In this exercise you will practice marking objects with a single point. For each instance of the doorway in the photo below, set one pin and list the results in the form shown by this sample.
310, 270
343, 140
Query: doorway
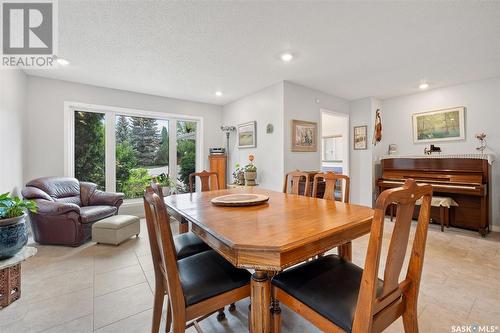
334, 142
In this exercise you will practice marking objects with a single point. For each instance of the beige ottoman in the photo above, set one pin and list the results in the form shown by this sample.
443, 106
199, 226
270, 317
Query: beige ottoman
116, 229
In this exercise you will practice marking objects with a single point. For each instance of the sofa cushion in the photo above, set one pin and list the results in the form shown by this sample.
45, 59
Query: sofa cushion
94, 213
63, 189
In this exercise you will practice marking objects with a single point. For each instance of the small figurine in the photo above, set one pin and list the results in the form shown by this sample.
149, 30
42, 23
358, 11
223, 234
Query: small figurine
432, 149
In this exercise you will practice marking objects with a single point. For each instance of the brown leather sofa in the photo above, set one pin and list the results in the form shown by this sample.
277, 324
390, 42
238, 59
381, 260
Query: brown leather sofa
67, 209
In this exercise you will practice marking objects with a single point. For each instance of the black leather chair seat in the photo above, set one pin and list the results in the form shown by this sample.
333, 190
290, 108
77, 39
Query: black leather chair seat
329, 285
188, 244
94, 213
207, 274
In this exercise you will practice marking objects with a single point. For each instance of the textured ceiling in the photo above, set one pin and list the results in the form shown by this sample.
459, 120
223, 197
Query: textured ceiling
189, 50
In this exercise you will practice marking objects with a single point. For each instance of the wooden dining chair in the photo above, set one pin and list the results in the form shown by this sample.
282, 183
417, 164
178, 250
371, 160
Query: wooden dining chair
292, 182
338, 296
198, 285
331, 180
205, 181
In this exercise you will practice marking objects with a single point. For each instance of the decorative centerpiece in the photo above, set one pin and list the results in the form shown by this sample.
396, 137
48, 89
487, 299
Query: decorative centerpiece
238, 175
250, 172
13, 231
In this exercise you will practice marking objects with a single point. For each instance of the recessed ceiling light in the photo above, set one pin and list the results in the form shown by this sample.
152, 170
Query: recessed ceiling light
218, 93
62, 61
423, 86
286, 56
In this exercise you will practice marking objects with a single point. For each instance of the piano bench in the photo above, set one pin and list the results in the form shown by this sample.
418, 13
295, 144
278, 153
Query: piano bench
444, 204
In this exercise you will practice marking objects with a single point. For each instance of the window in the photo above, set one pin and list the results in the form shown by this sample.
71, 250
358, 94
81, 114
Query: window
89, 147
142, 151
186, 152
123, 150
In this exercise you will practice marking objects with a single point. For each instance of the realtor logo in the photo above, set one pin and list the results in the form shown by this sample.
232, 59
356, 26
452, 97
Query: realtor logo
28, 33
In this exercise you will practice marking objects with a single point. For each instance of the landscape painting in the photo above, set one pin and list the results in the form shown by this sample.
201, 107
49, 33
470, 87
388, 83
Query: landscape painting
439, 125
304, 136
246, 135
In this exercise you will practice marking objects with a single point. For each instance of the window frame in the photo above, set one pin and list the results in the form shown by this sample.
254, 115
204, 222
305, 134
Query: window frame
110, 113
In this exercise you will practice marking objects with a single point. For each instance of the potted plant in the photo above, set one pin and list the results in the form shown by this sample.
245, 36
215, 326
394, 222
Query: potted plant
167, 184
250, 172
239, 175
13, 231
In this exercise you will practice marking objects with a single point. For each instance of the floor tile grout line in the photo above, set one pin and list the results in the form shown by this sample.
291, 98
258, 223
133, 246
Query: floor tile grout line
64, 322
124, 318
120, 289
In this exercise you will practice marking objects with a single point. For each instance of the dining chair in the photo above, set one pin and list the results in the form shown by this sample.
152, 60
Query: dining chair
338, 296
330, 193
205, 181
331, 180
197, 286
185, 244
292, 182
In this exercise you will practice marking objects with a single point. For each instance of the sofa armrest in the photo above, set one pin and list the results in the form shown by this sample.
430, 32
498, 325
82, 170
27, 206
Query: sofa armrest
45, 207
106, 198
32, 193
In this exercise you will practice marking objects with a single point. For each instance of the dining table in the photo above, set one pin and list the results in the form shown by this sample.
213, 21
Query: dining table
286, 230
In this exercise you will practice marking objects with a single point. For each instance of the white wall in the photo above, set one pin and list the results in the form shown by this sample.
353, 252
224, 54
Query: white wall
482, 100
265, 107
361, 171
304, 103
12, 106
44, 126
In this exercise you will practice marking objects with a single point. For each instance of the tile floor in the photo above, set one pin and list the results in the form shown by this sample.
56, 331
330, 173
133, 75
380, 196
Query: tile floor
98, 288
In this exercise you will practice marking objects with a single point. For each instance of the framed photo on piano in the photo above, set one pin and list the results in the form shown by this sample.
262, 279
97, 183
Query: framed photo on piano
439, 125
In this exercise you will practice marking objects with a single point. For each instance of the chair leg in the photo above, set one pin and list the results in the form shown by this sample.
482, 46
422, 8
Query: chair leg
276, 316
157, 308
221, 315
410, 321
232, 307
168, 321
442, 216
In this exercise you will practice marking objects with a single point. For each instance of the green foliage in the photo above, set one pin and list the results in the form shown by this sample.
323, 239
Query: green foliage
250, 167
122, 129
164, 180
188, 165
162, 155
89, 147
14, 206
138, 180
125, 162
145, 139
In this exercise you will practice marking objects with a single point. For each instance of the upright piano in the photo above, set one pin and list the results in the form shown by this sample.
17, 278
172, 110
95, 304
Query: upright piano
465, 178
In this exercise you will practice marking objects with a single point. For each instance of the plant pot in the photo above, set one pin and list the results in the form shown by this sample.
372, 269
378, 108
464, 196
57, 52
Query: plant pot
250, 178
165, 190
13, 236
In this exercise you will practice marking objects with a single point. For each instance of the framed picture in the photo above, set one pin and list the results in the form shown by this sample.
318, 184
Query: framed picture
247, 135
360, 137
304, 136
439, 125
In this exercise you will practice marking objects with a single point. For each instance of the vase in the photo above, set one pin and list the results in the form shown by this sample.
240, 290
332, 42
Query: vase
13, 236
250, 177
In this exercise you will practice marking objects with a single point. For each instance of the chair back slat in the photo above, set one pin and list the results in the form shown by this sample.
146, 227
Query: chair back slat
205, 180
293, 178
331, 180
404, 198
162, 246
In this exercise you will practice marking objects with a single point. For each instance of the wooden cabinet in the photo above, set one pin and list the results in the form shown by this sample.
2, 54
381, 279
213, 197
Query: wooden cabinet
218, 164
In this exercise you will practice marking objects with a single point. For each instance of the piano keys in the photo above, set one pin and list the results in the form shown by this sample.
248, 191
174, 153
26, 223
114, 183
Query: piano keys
466, 179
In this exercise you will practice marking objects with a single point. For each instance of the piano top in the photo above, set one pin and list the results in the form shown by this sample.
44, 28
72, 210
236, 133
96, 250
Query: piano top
489, 157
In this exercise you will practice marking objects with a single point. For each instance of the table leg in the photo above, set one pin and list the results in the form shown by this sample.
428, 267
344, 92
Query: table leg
183, 226
345, 251
261, 301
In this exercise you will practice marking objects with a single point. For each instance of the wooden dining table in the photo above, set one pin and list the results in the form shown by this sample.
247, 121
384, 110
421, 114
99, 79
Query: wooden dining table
268, 238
